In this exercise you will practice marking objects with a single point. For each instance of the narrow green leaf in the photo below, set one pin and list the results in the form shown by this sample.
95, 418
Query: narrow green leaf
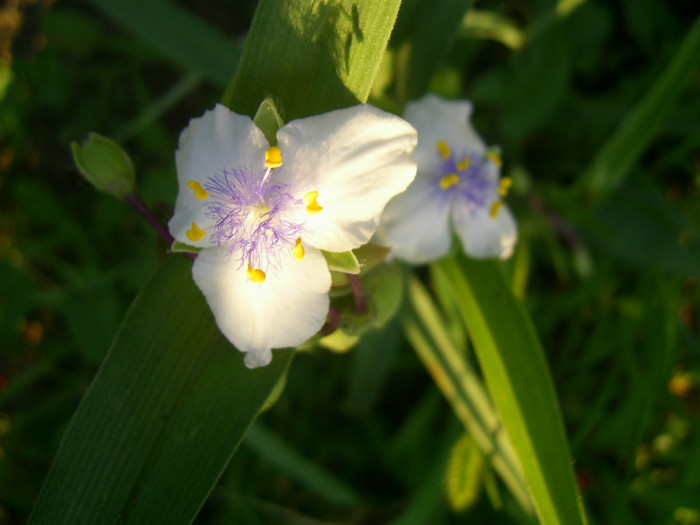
277, 452
159, 106
518, 378
435, 28
619, 154
345, 262
311, 57
178, 35
162, 418
462, 388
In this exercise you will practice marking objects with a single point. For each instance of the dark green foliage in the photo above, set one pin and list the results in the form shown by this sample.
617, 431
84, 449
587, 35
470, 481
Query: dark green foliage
611, 282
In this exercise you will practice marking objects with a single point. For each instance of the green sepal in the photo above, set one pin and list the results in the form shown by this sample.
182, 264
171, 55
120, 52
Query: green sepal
371, 255
384, 286
344, 262
182, 247
384, 291
268, 119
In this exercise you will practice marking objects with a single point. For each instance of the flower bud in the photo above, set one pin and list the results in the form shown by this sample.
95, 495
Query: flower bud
105, 165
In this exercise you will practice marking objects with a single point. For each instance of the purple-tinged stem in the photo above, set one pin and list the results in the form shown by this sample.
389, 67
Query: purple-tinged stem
333, 321
358, 292
136, 202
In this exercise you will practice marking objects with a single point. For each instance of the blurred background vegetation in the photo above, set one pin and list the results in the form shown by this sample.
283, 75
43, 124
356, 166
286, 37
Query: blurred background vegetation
610, 280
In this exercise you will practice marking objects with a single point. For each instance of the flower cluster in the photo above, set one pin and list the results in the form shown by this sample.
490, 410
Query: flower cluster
261, 214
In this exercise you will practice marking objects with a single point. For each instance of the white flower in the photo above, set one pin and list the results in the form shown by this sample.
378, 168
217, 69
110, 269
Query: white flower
262, 214
457, 184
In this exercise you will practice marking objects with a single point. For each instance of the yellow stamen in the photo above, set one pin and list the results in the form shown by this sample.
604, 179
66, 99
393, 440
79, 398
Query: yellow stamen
312, 205
195, 233
256, 274
198, 190
464, 164
444, 149
495, 208
449, 180
298, 250
495, 158
504, 186
273, 157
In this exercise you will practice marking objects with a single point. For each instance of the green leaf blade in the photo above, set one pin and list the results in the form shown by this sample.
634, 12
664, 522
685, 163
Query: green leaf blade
163, 416
324, 55
520, 384
625, 146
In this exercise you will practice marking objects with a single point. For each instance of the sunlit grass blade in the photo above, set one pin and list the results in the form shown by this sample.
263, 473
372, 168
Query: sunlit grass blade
162, 418
625, 146
518, 379
462, 388
311, 57
179, 36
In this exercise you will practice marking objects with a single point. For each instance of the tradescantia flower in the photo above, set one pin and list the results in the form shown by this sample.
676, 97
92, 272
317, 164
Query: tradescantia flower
458, 184
261, 215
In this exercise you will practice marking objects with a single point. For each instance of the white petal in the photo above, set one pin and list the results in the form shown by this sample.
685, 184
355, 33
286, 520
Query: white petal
438, 119
484, 236
415, 223
356, 159
285, 310
218, 140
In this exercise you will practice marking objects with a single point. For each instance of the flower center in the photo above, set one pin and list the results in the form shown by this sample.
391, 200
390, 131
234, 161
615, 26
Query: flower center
472, 177
254, 217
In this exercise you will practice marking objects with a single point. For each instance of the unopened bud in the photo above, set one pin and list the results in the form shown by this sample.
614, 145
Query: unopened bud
105, 165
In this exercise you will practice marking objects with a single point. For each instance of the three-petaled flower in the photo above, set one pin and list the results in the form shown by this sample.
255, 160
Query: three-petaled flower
261, 215
458, 183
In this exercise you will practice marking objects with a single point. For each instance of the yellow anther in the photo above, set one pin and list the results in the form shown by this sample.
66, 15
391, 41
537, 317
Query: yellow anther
198, 190
195, 233
444, 149
464, 164
256, 274
298, 249
312, 205
495, 208
449, 180
495, 158
504, 186
273, 157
